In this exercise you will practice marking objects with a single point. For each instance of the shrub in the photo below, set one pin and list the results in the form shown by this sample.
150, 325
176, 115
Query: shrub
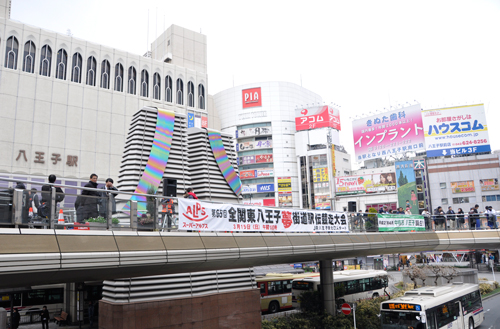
485, 288
496, 284
101, 219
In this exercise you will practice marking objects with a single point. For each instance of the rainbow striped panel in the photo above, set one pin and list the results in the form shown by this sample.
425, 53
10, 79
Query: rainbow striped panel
223, 161
157, 161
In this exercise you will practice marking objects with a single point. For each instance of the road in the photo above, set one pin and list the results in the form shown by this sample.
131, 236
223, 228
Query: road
492, 313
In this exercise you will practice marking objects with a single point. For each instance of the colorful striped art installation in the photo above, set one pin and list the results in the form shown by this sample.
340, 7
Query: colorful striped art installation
152, 176
223, 161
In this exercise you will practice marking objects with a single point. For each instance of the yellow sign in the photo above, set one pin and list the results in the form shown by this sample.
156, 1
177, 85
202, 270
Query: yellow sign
320, 174
284, 184
334, 170
462, 187
5, 298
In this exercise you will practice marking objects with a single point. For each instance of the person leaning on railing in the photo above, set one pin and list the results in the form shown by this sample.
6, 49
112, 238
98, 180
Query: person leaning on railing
45, 206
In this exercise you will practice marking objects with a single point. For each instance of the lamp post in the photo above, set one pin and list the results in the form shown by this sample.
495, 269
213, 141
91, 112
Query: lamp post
250, 193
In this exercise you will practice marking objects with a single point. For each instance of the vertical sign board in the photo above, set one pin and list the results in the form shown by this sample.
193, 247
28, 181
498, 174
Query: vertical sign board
317, 117
190, 120
456, 130
334, 169
285, 191
389, 133
407, 187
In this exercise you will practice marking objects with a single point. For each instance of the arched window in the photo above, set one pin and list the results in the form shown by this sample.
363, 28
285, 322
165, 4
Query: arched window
168, 89
201, 96
29, 57
190, 94
156, 86
144, 83
180, 91
91, 70
11, 52
45, 60
119, 77
132, 78
105, 73
62, 61
76, 68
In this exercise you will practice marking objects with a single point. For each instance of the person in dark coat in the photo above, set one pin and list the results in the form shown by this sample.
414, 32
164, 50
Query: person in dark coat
103, 203
45, 317
15, 319
90, 199
47, 198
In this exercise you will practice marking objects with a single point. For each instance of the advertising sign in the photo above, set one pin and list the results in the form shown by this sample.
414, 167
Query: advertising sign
248, 159
351, 184
456, 130
247, 189
462, 187
264, 158
190, 120
285, 199
382, 183
247, 174
317, 117
204, 216
334, 169
284, 184
254, 145
320, 174
264, 173
260, 202
197, 120
389, 133
486, 184
407, 188
251, 97
398, 223
257, 131
263, 188
204, 122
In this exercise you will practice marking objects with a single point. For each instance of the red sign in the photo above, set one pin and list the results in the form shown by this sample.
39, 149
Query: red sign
317, 117
269, 202
263, 158
251, 97
247, 174
346, 309
204, 122
196, 213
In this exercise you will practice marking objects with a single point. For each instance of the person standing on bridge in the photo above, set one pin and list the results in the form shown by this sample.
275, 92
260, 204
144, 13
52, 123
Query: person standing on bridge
450, 218
90, 199
439, 218
46, 202
103, 202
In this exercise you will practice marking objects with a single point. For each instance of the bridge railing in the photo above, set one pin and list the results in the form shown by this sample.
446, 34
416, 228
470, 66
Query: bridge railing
31, 204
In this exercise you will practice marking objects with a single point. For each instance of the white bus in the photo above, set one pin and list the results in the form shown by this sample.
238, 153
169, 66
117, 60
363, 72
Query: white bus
349, 285
453, 306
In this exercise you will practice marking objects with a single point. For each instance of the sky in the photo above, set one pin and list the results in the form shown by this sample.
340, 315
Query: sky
365, 56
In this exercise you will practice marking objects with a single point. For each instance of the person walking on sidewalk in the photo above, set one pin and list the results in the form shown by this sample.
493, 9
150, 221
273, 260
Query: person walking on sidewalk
15, 319
44, 315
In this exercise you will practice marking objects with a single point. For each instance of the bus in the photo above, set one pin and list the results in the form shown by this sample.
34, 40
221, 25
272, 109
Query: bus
456, 305
276, 290
350, 286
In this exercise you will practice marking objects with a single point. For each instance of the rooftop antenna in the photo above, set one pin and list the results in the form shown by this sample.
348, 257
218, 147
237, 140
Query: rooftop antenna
147, 37
156, 31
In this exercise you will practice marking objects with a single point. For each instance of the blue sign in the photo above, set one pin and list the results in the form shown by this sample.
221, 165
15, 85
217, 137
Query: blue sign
297, 265
263, 188
458, 150
190, 120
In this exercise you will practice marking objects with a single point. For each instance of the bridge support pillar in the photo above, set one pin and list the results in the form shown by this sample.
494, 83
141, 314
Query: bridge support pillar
327, 287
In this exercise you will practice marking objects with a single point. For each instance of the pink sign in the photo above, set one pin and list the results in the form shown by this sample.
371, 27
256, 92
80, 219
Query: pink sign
394, 132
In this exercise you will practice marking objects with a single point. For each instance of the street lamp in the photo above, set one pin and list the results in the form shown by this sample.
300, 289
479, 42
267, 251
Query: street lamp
250, 193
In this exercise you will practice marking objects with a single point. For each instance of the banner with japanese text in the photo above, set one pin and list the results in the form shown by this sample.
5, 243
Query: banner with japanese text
489, 184
463, 187
246, 146
317, 117
389, 133
456, 130
204, 216
257, 131
398, 223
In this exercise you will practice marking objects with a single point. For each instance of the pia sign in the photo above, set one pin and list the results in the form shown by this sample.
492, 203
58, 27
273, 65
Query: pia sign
251, 97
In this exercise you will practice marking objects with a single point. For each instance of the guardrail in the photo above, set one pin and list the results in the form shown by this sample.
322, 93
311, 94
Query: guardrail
103, 209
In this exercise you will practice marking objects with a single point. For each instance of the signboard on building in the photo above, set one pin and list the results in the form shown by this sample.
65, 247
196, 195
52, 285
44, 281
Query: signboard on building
244, 160
190, 120
284, 184
204, 216
489, 184
389, 133
251, 97
285, 199
263, 158
257, 188
317, 117
257, 131
247, 174
246, 146
463, 187
260, 202
264, 173
398, 223
456, 130
334, 169
382, 183
371, 183
407, 187
320, 174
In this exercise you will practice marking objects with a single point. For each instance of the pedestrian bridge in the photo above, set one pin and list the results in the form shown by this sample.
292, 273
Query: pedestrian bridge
37, 256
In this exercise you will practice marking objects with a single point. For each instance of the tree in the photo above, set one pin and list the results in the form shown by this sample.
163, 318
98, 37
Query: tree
402, 180
449, 273
415, 273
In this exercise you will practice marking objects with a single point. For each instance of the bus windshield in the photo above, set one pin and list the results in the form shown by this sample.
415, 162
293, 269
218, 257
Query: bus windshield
302, 285
401, 320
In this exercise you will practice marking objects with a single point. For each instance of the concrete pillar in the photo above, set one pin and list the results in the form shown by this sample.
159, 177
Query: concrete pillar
326, 277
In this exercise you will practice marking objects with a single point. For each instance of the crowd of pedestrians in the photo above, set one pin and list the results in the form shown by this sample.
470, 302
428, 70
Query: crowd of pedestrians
451, 220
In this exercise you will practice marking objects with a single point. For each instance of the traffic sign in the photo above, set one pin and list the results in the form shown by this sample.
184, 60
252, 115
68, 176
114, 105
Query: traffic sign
346, 309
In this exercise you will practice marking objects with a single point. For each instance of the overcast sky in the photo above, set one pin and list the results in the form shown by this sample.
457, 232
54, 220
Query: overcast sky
362, 55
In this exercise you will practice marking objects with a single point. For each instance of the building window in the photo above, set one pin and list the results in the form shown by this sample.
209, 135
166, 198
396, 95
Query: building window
76, 69
144, 83
346, 173
460, 200
201, 96
156, 86
62, 61
105, 73
91, 70
190, 94
442, 185
180, 91
444, 201
119, 77
168, 89
345, 160
132, 78
11, 52
45, 61
29, 57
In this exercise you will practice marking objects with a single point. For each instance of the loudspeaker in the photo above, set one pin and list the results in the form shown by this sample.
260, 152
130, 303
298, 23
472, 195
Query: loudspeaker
351, 206
170, 187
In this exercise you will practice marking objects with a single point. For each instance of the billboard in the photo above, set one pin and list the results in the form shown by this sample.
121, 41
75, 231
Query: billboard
382, 183
371, 183
247, 159
463, 187
407, 187
398, 223
389, 133
260, 202
317, 117
247, 174
246, 146
284, 184
456, 130
257, 131
285, 199
257, 188
264, 173
251, 97
320, 174
263, 158
488, 184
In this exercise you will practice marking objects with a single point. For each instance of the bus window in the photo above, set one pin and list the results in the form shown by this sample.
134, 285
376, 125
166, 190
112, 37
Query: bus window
287, 286
301, 285
262, 288
431, 320
405, 319
275, 287
447, 313
352, 287
5, 300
